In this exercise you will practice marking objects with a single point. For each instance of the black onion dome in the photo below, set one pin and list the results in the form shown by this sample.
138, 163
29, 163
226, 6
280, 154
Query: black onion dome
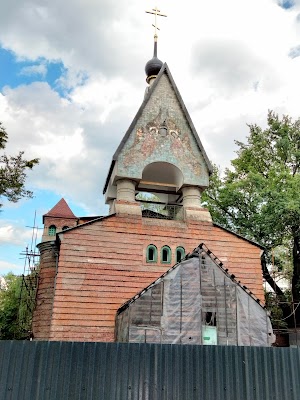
154, 65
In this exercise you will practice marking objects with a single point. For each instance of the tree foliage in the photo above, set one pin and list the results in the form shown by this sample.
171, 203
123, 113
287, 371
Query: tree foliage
13, 172
17, 301
259, 196
150, 202
9, 308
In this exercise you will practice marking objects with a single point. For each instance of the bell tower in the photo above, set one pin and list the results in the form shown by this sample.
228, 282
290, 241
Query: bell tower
161, 152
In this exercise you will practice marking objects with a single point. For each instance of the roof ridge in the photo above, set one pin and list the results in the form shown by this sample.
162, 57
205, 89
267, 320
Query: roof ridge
61, 209
220, 264
194, 253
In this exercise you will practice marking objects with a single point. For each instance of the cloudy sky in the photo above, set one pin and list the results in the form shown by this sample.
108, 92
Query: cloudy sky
72, 78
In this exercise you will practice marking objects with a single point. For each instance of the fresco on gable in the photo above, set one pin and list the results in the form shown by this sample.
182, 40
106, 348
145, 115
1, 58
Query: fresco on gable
149, 145
162, 133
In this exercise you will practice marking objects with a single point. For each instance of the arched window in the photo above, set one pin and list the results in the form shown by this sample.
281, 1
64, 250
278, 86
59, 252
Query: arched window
52, 230
166, 255
65, 227
180, 254
151, 254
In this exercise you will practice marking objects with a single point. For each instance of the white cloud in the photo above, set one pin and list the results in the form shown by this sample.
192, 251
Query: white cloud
37, 69
14, 235
228, 66
86, 35
6, 266
74, 138
229, 59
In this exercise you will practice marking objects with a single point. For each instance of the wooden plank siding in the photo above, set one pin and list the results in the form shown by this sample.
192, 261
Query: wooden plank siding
102, 264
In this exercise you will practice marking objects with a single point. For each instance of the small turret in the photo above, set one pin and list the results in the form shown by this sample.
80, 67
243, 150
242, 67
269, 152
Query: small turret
58, 219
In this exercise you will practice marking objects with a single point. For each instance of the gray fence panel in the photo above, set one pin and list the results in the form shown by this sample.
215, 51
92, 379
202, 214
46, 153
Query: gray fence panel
121, 371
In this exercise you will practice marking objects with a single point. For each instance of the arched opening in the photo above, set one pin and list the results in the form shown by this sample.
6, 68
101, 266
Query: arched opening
180, 254
165, 255
162, 174
164, 180
151, 253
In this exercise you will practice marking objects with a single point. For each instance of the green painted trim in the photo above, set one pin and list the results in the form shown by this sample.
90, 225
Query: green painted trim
52, 230
154, 248
182, 252
169, 255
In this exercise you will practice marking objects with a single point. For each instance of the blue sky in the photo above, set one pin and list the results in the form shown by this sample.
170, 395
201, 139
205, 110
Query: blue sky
27, 216
15, 72
72, 79
287, 4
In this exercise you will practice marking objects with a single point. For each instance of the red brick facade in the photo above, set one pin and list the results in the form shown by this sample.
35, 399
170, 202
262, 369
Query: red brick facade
44, 302
102, 264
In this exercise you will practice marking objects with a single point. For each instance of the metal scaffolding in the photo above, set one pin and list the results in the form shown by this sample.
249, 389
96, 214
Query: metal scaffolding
29, 282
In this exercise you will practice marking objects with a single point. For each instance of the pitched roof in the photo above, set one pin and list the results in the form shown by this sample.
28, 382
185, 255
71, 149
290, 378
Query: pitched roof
60, 210
164, 70
198, 252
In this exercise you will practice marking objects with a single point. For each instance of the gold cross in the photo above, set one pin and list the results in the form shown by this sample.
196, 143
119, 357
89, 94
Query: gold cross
156, 12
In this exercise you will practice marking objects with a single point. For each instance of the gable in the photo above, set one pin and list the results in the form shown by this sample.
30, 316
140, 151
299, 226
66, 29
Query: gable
144, 144
194, 300
60, 210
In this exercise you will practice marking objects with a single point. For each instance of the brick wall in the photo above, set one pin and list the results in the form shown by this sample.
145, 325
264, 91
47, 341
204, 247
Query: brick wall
59, 223
46, 283
103, 264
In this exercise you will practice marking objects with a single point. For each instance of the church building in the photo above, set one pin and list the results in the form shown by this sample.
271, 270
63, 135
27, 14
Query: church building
92, 268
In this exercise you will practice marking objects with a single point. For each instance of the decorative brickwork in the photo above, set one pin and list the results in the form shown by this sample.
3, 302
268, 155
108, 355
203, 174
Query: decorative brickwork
102, 264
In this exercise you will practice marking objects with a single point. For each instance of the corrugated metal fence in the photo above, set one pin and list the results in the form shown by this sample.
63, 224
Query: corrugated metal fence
90, 371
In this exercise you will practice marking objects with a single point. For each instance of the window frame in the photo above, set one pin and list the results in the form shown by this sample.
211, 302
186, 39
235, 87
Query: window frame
169, 255
154, 248
182, 251
52, 228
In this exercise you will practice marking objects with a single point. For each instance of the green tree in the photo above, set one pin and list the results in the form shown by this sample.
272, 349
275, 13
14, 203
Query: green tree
17, 300
259, 196
150, 202
153, 207
13, 172
9, 308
